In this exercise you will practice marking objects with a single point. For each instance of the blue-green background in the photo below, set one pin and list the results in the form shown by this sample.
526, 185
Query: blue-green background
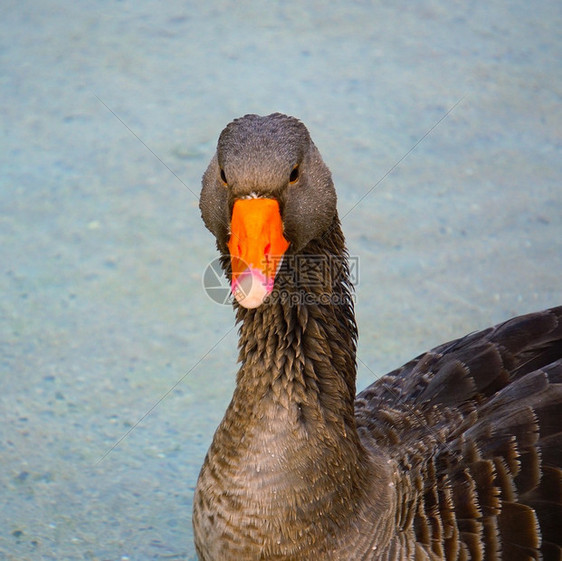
109, 114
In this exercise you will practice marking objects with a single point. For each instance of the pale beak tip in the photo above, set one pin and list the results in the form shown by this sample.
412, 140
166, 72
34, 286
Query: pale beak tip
251, 288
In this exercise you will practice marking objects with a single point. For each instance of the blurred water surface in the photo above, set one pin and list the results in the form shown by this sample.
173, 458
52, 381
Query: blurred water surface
115, 366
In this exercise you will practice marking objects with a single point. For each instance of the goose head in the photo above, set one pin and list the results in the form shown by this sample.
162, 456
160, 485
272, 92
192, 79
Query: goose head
266, 193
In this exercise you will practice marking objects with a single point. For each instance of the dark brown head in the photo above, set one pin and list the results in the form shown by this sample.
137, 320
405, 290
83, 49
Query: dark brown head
264, 159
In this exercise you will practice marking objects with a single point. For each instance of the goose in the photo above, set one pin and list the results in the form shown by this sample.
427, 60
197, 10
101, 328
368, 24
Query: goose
456, 455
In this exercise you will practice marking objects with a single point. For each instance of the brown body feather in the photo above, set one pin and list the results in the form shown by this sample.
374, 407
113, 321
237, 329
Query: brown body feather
454, 456
481, 442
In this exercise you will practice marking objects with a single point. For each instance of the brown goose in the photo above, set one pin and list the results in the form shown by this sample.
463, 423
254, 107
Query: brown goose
456, 455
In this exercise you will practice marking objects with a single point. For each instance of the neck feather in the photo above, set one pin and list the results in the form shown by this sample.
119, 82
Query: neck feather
301, 344
287, 455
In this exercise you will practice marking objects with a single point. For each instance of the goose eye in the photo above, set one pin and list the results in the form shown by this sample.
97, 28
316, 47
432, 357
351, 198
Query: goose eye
223, 177
294, 175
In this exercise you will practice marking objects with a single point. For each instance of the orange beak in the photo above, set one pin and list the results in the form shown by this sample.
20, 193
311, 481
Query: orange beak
256, 248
